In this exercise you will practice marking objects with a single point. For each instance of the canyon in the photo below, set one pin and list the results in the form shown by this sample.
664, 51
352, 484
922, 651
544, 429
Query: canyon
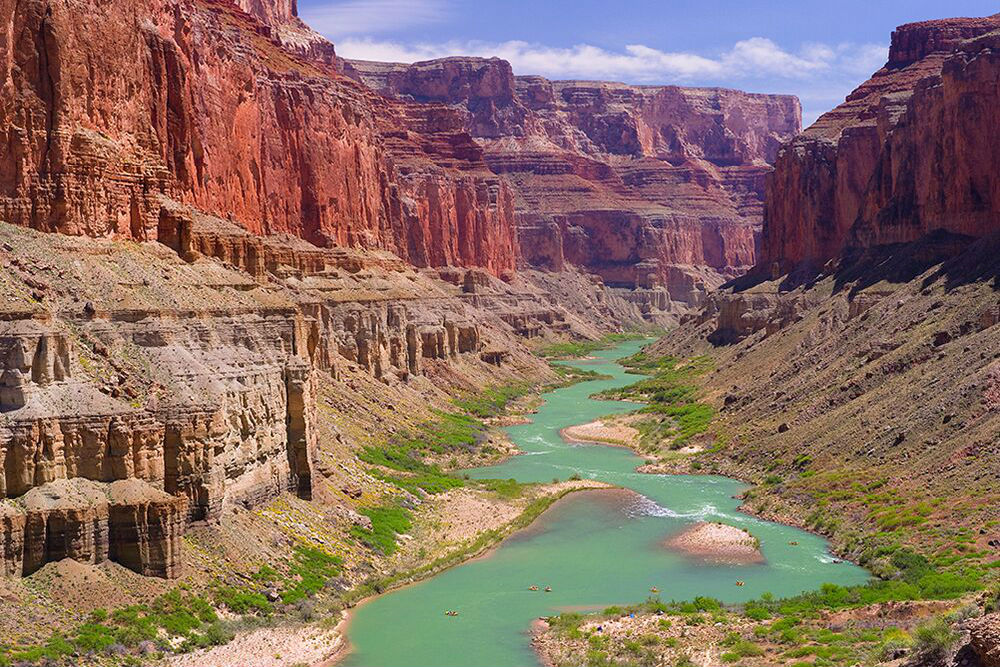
656, 189
290, 208
233, 262
862, 350
192, 382
874, 303
853, 372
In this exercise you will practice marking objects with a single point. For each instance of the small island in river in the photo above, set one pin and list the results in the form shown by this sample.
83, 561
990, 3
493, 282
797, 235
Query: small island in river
716, 542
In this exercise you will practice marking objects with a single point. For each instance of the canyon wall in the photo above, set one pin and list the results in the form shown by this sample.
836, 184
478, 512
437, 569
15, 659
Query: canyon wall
863, 351
651, 188
202, 219
200, 102
910, 152
145, 387
644, 186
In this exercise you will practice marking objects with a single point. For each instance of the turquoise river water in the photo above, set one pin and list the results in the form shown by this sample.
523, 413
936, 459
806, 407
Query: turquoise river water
594, 549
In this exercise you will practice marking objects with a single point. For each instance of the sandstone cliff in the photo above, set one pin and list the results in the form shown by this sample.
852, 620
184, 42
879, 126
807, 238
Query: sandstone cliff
219, 222
206, 104
654, 189
908, 153
862, 352
649, 187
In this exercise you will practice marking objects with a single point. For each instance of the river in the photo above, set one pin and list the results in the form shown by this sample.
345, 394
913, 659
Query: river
594, 549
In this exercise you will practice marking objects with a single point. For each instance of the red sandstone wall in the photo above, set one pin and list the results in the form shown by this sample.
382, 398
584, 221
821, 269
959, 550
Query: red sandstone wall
632, 183
107, 106
910, 151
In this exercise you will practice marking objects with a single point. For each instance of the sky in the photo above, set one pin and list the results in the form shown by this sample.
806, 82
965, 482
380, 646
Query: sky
819, 51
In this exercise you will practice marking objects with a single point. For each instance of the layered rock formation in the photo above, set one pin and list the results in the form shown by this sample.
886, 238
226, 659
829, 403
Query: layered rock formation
202, 220
127, 521
646, 186
861, 353
144, 388
654, 189
985, 639
286, 145
909, 152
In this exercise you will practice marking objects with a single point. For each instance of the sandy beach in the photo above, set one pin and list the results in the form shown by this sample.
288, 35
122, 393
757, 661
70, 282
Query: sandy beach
280, 646
460, 515
602, 432
716, 542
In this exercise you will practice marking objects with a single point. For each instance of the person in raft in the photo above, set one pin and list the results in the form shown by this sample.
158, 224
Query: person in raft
548, 589
532, 588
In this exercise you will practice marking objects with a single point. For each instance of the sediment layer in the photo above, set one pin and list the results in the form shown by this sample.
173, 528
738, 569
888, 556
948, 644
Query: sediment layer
649, 187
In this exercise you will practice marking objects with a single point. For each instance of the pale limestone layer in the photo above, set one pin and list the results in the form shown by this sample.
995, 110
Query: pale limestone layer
183, 385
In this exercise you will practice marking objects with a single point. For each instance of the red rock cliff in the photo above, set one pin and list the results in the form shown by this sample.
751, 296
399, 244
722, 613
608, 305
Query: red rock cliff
105, 107
635, 183
911, 151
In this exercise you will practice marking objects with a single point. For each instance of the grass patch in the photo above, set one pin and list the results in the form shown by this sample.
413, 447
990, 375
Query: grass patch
572, 374
448, 432
672, 411
388, 521
508, 489
429, 482
492, 400
243, 601
174, 616
310, 570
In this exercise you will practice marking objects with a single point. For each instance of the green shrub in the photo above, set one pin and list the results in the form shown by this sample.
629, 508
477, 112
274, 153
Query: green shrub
756, 612
911, 565
935, 638
311, 568
243, 601
265, 573
180, 622
581, 348
946, 585
432, 483
388, 521
746, 649
94, 637
217, 634
505, 488
669, 394
567, 623
492, 400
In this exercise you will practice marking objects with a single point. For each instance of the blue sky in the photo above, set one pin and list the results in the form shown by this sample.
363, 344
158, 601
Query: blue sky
817, 50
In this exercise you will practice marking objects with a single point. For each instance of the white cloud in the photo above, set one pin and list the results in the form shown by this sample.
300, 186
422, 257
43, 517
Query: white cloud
372, 17
748, 60
863, 59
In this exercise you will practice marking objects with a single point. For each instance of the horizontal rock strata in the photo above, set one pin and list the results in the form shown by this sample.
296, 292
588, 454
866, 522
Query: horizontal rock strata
238, 114
144, 388
129, 522
650, 187
908, 153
